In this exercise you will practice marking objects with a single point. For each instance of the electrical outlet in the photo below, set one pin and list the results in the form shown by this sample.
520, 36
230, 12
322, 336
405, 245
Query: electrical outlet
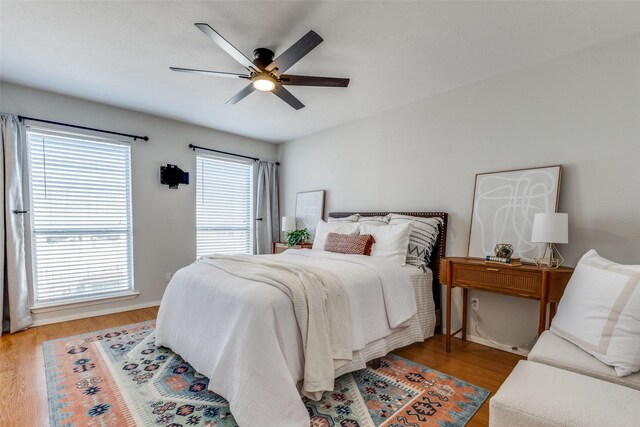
475, 303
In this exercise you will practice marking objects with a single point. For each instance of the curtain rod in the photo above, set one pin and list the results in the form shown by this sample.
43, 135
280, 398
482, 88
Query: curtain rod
255, 159
33, 119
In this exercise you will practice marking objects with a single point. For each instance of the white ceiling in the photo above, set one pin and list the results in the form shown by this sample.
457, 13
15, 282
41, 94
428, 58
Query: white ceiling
119, 52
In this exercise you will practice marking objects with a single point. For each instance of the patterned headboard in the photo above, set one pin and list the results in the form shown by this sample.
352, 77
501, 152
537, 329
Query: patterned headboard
438, 251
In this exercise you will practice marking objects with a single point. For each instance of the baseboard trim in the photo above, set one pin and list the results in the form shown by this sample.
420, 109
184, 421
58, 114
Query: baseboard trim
46, 308
479, 340
59, 319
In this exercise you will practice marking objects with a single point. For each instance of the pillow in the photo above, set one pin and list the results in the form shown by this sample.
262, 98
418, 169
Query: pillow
355, 244
422, 239
391, 241
324, 228
382, 220
600, 312
350, 218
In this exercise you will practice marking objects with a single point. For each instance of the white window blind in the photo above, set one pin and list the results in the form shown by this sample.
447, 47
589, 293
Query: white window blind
223, 206
81, 240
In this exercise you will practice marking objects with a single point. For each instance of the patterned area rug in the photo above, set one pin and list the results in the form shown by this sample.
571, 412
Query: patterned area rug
119, 377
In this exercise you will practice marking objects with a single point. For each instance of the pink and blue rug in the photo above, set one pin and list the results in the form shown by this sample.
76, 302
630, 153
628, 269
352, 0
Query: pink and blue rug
119, 377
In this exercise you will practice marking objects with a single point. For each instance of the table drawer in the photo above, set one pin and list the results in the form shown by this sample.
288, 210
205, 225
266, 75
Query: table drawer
499, 279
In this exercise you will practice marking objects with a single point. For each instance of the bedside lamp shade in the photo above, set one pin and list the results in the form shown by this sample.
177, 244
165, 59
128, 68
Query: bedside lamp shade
550, 228
288, 223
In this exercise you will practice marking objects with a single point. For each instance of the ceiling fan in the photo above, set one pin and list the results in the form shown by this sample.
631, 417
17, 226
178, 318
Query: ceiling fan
265, 73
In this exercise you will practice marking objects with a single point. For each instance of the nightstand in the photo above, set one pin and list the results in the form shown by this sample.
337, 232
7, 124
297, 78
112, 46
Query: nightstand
281, 247
525, 281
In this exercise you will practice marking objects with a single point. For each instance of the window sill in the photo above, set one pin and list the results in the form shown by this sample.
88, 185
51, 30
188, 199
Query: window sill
65, 305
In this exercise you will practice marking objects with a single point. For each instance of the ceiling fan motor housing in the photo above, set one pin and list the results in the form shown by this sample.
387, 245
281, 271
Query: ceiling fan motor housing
263, 57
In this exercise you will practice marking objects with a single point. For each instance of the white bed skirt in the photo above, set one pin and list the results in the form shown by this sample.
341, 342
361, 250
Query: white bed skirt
420, 327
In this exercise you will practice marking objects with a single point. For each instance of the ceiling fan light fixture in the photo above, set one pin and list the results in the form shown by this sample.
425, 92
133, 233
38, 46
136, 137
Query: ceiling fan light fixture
266, 73
264, 83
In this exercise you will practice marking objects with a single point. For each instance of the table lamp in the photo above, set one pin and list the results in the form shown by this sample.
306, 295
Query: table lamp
550, 228
288, 224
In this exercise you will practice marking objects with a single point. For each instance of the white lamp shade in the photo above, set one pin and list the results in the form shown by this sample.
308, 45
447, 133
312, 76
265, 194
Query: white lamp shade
288, 223
550, 228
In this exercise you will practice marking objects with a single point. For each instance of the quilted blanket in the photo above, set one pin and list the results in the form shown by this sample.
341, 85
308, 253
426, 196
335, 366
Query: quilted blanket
320, 306
244, 334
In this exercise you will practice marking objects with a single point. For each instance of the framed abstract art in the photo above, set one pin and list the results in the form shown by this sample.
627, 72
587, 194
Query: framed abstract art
504, 204
309, 210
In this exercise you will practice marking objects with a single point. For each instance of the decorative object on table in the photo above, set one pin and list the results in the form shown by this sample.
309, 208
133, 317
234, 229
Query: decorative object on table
118, 375
172, 175
296, 237
309, 210
550, 228
288, 224
503, 250
511, 262
504, 204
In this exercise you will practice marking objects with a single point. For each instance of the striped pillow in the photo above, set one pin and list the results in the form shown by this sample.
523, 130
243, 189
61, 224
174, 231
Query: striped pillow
422, 239
354, 244
350, 218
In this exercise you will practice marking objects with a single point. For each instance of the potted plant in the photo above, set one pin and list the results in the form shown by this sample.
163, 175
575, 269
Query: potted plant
296, 237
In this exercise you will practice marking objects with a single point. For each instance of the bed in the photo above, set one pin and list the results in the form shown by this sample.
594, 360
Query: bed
245, 336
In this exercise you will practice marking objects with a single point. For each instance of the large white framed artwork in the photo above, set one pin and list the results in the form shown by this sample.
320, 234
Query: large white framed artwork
309, 210
504, 204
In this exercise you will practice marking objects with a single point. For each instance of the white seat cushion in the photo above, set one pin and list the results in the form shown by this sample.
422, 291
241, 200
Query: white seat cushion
541, 395
556, 351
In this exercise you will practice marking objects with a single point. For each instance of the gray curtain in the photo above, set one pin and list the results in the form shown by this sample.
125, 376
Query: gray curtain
14, 296
267, 229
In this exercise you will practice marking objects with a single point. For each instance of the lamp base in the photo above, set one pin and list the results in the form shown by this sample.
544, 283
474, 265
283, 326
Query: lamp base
548, 257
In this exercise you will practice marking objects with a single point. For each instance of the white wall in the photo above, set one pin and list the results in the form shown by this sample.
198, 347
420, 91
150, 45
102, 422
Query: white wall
164, 238
581, 110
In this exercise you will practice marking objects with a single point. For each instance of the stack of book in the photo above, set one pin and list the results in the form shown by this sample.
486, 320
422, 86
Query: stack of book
505, 261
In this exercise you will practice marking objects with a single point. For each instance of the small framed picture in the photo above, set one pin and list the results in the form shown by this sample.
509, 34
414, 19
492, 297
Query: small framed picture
309, 210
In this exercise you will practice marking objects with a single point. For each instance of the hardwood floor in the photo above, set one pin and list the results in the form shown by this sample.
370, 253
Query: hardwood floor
23, 386
23, 389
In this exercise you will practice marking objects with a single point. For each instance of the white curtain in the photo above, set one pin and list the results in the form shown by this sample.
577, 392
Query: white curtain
267, 229
14, 296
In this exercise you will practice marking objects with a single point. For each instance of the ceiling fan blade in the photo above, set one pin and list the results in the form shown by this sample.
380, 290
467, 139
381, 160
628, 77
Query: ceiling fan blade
291, 80
243, 93
287, 97
226, 46
211, 73
295, 52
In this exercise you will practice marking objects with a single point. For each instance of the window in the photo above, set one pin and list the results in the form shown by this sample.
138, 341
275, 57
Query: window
81, 242
223, 206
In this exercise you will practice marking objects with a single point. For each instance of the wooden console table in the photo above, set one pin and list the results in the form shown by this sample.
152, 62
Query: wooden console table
526, 281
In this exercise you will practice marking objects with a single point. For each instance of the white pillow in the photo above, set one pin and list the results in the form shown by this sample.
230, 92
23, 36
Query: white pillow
350, 218
324, 228
381, 220
600, 312
392, 241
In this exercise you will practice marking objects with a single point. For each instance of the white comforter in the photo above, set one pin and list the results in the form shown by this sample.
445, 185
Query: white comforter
244, 337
